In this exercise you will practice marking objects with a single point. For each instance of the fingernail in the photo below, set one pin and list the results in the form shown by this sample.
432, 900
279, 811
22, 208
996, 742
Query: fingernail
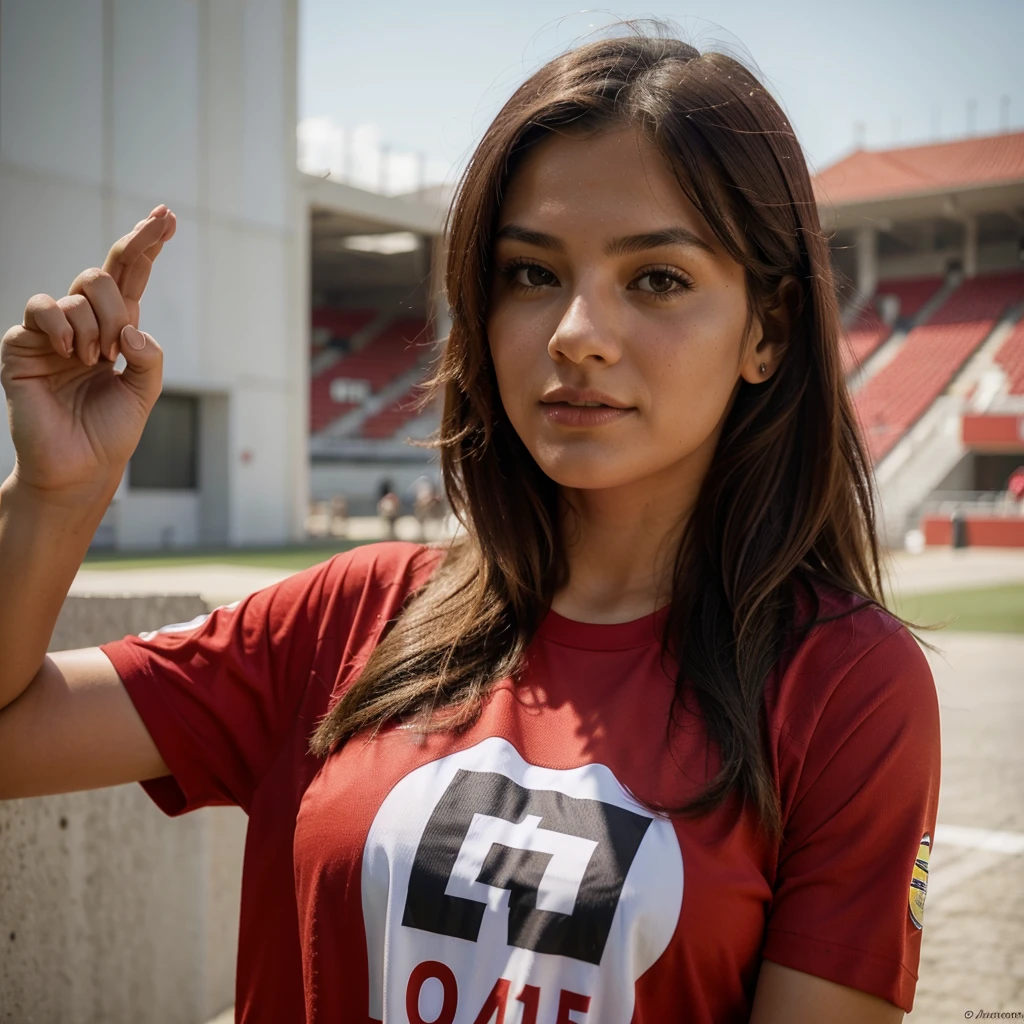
159, 211
133, 338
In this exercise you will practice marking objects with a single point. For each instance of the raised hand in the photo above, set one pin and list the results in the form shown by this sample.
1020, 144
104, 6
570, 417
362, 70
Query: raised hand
75, 421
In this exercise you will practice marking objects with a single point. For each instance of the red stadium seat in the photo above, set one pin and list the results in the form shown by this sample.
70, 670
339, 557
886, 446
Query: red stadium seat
342, 323
898, 395
395, 351
868, 331
390, 420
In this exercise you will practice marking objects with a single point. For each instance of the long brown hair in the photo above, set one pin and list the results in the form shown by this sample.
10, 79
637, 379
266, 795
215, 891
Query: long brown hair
788, 499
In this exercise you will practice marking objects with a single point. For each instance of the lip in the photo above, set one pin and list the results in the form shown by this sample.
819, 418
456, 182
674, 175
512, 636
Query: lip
558, 410
583, 415
567, 394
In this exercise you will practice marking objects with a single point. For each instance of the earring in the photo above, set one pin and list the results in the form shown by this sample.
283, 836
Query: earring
762, 368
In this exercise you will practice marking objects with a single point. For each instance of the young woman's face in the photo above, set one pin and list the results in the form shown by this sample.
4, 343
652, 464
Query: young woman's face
609, 288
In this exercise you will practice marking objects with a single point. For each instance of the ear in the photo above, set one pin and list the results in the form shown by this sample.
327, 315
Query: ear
770, 333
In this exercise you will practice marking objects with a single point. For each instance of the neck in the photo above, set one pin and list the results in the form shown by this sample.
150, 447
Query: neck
620, 544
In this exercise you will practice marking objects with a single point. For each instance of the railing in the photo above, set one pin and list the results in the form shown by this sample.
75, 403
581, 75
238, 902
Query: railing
357, 156
989, 503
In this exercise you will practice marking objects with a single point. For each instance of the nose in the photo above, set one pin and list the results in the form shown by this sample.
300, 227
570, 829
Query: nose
586, 331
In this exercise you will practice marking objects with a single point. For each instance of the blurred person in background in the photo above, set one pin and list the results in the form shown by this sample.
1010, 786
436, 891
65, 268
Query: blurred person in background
388, 507
426, 503
1015, 486
642, 742
339, 516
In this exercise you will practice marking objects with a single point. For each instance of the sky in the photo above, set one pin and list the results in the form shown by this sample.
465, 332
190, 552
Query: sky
425, 79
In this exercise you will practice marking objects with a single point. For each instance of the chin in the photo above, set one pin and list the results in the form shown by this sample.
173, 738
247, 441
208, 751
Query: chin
591, 473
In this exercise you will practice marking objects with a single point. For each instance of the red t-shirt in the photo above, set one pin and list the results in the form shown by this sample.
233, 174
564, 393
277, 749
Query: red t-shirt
513, 874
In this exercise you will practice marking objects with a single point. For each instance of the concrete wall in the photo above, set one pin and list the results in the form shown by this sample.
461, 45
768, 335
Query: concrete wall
157, 519
109, 107
110, 912
960, 477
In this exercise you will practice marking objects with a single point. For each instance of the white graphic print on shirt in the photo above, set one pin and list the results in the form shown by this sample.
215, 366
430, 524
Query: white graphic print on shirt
496, 890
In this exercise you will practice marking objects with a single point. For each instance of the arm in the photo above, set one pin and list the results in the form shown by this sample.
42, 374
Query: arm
42, 544
859, 781
66, 722
73, 728
784, 995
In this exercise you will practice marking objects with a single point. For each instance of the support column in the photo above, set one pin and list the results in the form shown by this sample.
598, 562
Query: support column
438, 301
970, 246
867, 260
299, 290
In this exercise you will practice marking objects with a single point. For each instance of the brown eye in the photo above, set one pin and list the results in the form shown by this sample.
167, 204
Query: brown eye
533, 276
660, 281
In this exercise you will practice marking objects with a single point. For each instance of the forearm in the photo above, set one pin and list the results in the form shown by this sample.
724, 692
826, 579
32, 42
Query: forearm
43, 540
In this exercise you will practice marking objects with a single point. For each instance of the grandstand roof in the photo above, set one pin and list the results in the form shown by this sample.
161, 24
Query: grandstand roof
867, 175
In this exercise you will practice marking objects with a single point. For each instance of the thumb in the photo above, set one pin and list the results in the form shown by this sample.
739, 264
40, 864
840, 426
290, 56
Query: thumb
145, 359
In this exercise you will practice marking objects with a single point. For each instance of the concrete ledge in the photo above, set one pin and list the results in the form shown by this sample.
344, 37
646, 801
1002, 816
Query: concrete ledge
90, 619
109, 911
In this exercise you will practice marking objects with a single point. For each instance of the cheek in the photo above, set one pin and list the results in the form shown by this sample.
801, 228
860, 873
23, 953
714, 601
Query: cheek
692, 372
516, 345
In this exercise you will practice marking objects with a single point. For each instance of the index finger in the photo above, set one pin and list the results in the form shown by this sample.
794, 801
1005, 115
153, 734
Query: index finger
135, 278
147, 234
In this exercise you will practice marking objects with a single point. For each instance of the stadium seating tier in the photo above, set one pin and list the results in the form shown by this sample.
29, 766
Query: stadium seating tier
869, 331
342, 323
934, 352
392, 353
391, 419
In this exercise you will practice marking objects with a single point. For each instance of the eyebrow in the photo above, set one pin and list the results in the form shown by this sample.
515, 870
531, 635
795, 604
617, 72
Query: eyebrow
623, 246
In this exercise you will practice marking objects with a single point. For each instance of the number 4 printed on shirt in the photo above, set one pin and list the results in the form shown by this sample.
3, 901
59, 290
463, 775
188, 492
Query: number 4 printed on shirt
496, 1003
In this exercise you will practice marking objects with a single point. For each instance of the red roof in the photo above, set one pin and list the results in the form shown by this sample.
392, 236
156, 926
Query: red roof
913, 170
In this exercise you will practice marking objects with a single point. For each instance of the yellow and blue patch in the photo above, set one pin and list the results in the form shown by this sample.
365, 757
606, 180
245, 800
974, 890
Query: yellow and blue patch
919, 881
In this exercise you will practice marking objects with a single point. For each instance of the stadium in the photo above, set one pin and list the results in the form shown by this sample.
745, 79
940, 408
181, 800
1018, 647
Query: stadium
300, 307
929, 245
299, 312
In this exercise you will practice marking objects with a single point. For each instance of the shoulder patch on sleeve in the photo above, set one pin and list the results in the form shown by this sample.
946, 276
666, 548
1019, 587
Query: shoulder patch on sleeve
919, 881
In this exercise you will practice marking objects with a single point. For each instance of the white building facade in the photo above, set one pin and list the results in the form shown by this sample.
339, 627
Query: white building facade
108, 108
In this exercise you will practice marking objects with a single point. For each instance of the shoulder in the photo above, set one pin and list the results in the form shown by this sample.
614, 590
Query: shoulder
857, 661
848, 628
387, 562
372, 582
855, 736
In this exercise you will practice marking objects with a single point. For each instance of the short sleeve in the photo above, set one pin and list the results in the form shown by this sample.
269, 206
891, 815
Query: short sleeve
859, 816
220, 695
217, 694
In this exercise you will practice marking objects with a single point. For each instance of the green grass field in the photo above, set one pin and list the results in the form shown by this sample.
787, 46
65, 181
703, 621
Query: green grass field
293, 557
978, 610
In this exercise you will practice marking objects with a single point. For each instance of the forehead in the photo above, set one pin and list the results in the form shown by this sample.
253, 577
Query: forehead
612, 183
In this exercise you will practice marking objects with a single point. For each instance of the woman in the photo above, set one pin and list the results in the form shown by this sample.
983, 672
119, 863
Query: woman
643, 744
